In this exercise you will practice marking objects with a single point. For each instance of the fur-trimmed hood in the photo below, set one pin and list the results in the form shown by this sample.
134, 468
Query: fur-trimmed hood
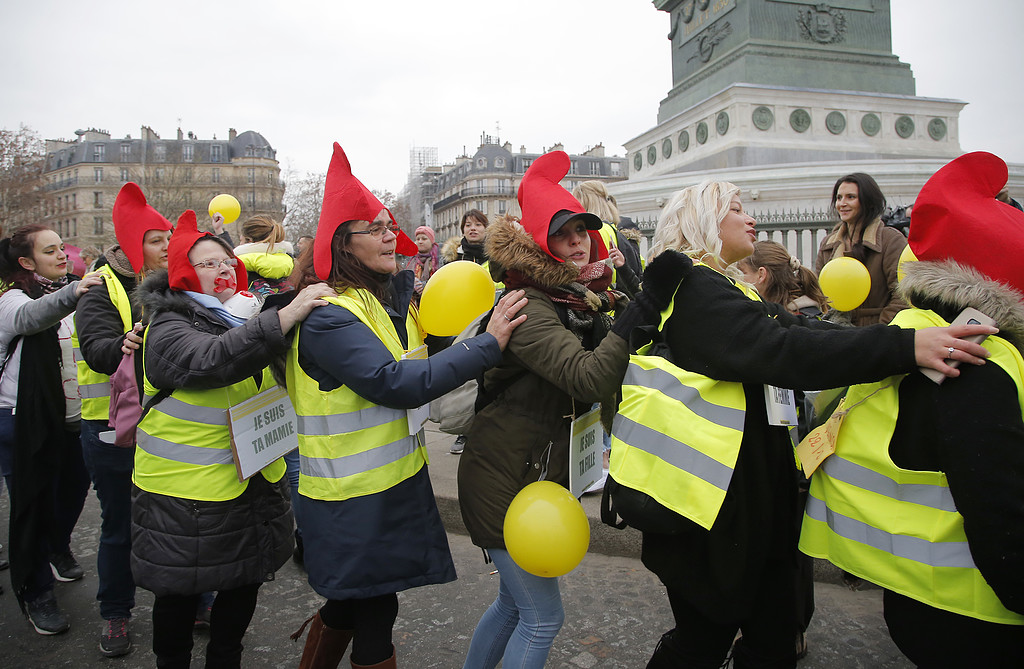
450, 249
948, 287
510, 247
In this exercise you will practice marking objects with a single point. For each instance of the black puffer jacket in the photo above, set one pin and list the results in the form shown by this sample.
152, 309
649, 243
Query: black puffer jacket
183, 546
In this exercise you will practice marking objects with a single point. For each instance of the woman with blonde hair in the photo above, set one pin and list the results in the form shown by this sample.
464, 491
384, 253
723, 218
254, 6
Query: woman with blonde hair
779, 277
266, 254
724, 473
596, 200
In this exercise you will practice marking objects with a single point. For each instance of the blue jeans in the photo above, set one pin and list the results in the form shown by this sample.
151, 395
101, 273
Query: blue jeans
521, 624
110, 468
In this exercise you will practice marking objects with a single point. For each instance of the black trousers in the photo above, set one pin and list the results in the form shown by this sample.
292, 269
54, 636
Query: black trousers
174, 617
371, 621
769, 630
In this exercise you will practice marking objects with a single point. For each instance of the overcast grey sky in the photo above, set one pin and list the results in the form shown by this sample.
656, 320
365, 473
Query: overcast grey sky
383, 76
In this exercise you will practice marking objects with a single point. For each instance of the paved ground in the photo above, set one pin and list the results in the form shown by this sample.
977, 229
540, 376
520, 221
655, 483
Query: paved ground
615, 609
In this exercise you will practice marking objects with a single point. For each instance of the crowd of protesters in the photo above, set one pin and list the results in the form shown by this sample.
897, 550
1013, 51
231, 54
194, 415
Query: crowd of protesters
140, 368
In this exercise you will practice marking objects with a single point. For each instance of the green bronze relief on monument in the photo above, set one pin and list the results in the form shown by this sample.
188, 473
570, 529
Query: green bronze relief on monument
638, 161
763, 118
722, 123
684, 141
870, 124
652, 154
904, 126
835, 122
702, 132
800, 120
666, 148
936, 129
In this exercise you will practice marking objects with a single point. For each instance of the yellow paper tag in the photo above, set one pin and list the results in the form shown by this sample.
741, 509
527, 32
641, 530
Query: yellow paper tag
821, 442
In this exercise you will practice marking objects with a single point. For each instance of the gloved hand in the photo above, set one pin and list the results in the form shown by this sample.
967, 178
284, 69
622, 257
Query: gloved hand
662, 277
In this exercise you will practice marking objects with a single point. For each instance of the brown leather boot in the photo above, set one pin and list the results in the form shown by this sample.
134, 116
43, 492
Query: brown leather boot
325, 646
386, 664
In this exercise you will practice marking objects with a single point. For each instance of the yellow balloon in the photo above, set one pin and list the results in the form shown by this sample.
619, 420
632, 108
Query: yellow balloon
227, 206
455, 295
845, 282
906, 256
546, 530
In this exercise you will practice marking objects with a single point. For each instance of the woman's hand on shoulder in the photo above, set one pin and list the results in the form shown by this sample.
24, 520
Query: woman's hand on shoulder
935, 347
304, 302
87, 282
504, 320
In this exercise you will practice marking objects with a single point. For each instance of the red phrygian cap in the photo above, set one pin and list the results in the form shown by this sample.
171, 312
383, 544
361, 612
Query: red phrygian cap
541, 197
347, 199
133, 218
956, 216
181, 274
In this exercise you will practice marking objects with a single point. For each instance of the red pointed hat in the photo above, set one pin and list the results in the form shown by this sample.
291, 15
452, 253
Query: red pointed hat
956, 216
133, 218
347, 199
181, 274
541, 197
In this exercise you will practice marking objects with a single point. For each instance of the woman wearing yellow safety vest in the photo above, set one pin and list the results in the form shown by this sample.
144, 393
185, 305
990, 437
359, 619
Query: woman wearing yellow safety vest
104, 329
924, 495
692, 432
195, 528
370, 524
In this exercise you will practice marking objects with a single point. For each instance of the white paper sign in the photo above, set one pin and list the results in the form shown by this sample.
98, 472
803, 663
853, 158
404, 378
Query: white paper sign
585, 447
263, 428
781, 405
417, 416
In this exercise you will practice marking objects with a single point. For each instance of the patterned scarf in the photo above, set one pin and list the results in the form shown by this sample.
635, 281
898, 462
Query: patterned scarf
49, 286
424, 265
588, 298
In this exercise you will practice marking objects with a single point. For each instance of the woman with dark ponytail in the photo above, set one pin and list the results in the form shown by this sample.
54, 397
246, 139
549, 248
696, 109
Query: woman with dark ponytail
40, 412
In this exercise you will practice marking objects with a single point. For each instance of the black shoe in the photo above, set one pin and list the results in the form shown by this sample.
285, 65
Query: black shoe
46, 616
116, 639
202, 618
459, 445
4, 564
65, 567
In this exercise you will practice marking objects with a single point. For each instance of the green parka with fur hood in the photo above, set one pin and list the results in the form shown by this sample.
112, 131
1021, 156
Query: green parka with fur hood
525, 430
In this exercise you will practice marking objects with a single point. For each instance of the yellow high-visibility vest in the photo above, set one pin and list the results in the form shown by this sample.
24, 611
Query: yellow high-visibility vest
93, 387
677, 433
896, 527
184, 442
349, 446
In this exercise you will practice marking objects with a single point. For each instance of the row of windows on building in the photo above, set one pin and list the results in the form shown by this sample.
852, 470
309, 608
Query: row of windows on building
158, 174
99, 153
522, 164
70, 202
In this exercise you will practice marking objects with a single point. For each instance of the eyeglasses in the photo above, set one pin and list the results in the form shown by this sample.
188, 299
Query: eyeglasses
214, 264
376, 231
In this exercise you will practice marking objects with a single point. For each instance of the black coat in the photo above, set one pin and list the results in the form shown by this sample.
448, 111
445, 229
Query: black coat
717, 331
182, 546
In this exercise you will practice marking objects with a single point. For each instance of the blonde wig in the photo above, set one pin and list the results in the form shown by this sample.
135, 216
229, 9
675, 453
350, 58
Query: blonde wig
595, 199
689, 223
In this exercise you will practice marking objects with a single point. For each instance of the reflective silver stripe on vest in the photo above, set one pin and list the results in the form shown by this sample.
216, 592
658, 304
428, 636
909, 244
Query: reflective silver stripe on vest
672, 451
357, 463
343, 423
77, 354
91, 391
938, 554
923, 494
175, 408
192, 455
665, 383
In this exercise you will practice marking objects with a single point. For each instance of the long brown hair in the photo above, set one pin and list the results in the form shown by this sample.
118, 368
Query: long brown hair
346, 270
20, 244
787, 278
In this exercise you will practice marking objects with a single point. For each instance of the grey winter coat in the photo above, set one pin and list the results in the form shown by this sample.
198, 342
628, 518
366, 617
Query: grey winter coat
182, 546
